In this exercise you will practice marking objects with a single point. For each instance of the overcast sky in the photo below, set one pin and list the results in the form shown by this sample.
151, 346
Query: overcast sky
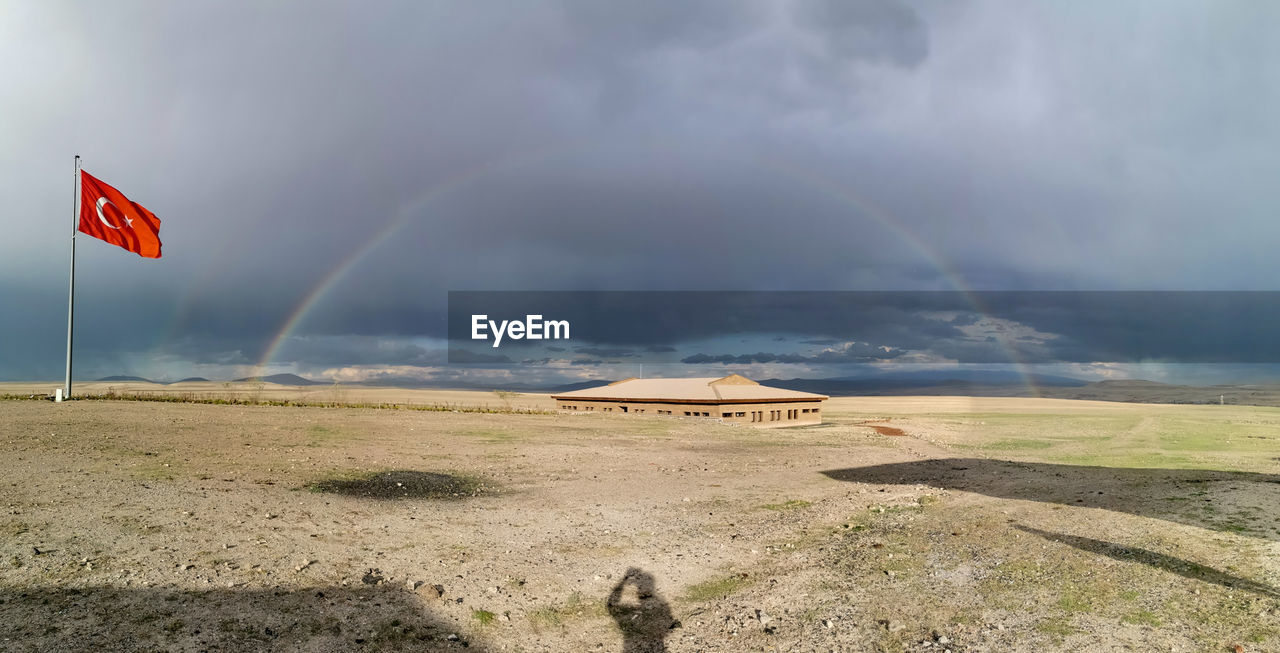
374, 156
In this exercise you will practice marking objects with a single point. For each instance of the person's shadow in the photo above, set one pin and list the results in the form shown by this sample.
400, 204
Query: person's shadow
642, 615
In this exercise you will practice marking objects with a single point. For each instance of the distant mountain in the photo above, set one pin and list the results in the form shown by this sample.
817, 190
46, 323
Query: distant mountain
193, 379
283, 379
570, 387
929, 382
122, 378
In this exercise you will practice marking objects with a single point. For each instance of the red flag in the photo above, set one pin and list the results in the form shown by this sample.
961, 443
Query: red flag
108, 215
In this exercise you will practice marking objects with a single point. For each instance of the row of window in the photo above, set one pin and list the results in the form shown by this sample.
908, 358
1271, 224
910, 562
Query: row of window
756, 415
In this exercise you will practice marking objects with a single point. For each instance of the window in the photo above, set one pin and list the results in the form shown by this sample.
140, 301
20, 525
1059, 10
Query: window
739, 414
706, 414
726, 414
687, 413
624, 408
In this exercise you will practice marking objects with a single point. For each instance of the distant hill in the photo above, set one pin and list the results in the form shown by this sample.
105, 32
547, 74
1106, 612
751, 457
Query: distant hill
193, 379
570, 387
283, 379
123, 378
929, 382
1152, 392
399, 382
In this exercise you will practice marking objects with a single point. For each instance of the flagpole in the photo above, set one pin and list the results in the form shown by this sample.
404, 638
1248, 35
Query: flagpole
71, 291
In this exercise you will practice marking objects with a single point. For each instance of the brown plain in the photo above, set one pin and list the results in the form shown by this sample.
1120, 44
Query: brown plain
991, 524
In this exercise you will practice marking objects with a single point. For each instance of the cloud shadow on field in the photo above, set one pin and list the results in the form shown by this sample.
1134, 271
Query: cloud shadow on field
1177, 495
1171, 564
315, 618
403, 484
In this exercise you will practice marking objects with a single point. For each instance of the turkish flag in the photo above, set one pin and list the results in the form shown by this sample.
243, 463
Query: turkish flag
108, 215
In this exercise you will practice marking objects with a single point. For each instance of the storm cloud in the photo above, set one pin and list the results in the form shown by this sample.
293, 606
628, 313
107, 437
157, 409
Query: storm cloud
326, 176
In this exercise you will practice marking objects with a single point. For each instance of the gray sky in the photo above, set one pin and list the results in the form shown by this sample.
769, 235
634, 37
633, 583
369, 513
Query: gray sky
811, 144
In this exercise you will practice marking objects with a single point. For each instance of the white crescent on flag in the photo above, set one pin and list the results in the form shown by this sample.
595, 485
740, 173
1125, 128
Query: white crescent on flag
103, 201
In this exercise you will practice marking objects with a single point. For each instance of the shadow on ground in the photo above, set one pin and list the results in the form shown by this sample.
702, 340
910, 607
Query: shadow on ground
643, 617
1179, 566
313, 619
1176, 495
403, 484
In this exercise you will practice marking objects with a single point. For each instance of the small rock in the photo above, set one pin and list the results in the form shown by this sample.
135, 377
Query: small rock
764, 618
826, 623
452, 637
943, 639
435, 591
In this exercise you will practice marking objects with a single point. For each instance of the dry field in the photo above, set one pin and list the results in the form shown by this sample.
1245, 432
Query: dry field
991, 525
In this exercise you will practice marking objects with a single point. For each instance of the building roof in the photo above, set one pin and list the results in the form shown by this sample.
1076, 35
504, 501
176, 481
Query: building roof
725, 390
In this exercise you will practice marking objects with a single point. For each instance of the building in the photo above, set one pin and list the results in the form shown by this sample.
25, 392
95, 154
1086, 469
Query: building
735, 399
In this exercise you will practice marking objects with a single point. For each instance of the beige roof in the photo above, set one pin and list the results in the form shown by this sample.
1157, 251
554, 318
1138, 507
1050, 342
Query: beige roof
729, 389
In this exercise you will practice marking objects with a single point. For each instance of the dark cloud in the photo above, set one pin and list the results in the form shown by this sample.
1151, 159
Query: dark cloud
887, 31
611, 352
464, 356
348, 168
660, 349
850, 353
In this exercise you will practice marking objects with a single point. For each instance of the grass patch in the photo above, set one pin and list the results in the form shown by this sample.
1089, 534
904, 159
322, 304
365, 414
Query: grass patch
574, 608
794, 504
318, 434
1141, 618
483, 616
1056, 627
1018, 445
153, 471
14, 528
716, 588
490, 435
1075, 603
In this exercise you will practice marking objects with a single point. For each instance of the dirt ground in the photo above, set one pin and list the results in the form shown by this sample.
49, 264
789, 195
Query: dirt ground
989, 525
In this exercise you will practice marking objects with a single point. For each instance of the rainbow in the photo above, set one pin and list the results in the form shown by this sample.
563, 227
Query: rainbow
829, 187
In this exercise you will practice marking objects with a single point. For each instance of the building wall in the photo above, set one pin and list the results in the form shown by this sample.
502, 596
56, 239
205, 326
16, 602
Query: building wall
773, 415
